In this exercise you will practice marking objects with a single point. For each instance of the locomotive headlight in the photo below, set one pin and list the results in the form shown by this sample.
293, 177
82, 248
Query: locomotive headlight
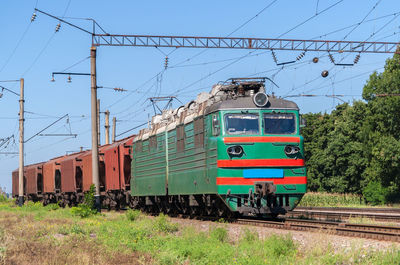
235, 150
291, 150
260, 99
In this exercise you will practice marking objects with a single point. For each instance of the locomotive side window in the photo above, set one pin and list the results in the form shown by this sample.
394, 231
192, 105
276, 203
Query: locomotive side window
242, 123
279, 123
215, 125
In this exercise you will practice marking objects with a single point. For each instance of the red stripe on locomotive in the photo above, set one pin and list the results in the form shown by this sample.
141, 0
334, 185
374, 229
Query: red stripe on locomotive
243, 181
282, 162
261, 139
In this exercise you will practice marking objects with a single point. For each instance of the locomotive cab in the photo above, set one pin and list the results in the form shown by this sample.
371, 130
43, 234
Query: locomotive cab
260, 160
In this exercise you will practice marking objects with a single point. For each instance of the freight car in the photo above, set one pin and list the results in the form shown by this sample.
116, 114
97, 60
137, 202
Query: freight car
235, 150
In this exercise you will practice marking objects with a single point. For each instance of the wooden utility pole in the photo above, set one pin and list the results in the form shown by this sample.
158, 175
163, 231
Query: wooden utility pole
114, 129
95, 143
107, 126
21, 145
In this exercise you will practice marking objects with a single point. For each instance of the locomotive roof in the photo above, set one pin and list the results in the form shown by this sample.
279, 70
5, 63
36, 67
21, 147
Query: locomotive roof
247, 103
238, 94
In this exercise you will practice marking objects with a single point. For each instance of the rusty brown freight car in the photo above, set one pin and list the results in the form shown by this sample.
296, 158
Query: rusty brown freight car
125, 162
15, 182
34, 181
52, 180
72, 179
87, 169
116, 158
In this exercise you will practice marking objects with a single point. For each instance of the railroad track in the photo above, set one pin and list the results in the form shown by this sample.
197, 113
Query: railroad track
326, 213
376, 232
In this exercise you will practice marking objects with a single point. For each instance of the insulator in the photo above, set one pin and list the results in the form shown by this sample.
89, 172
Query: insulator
325, 73
119, 89
301, 55
69, 79
58, 27
331, 58
357, 59
315, 60
33, 17
166, 62
274, 56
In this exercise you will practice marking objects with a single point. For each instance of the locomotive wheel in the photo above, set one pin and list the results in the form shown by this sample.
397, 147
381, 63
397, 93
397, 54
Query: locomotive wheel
134, 202
194, 211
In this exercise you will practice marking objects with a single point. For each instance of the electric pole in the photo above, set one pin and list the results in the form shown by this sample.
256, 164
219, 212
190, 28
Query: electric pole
114, 129
107, 126
95, 143
21, 145
98, 122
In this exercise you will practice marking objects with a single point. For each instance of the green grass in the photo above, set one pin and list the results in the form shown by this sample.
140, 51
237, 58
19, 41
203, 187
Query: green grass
166, 242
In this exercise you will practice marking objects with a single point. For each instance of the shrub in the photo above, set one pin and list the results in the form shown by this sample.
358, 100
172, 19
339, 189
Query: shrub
133, 215
52, 206
3, 195
87, 208
374, 193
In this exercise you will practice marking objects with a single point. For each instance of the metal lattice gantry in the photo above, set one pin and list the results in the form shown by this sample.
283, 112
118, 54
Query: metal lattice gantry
243, 43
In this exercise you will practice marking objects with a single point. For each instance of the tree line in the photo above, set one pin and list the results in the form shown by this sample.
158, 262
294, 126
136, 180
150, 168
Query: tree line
356, 148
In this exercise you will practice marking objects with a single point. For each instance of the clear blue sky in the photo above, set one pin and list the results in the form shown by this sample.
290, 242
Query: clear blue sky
33, 51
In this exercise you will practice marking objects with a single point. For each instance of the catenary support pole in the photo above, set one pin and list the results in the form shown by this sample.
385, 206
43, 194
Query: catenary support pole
107, 126
21, 146
95, 143
98, 122
114, 129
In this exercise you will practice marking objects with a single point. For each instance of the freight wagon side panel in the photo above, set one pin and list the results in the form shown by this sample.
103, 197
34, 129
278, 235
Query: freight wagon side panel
87, 171
125, 161
15, 181
30, 173
68, 175
48, 177
112, 174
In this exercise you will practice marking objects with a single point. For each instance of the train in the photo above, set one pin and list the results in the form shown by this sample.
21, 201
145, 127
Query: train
233, 151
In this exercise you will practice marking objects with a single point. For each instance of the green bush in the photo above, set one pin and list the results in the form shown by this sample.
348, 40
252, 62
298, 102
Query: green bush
87, 208
374, 193
52, 206
133, 215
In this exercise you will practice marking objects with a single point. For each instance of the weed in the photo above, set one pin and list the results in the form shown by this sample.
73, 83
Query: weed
52, 207
77, 229
133, 215
222, 221
248, 235
87, 208
220, 234
162, 224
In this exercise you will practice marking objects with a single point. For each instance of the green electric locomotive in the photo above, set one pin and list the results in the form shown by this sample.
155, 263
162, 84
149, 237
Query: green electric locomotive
234, 150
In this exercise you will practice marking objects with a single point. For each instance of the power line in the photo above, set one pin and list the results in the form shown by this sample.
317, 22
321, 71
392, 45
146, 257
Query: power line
359, 23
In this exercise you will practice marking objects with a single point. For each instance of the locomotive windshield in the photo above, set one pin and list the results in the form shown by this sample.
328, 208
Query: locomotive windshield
242, 124
279, 123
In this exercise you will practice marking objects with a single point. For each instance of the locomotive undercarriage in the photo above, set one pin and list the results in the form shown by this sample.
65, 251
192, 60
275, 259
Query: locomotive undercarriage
190, 205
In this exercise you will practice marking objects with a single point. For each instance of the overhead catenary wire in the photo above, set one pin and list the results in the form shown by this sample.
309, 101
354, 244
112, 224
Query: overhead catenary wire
232, 32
